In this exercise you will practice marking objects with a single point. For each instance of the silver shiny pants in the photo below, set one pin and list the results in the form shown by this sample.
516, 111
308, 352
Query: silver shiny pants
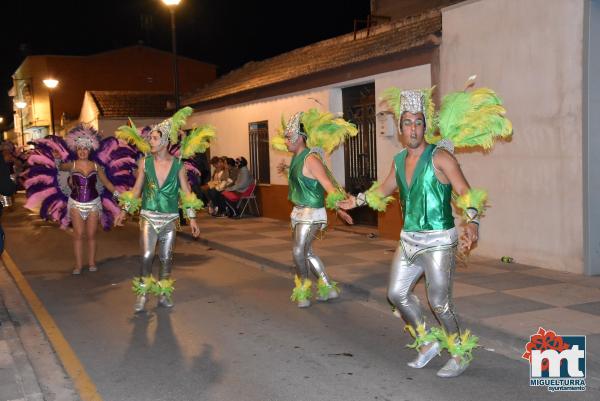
438, 267
304, 257
148, 240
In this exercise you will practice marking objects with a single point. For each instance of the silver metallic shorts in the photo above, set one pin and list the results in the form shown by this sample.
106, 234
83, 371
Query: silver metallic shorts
414, 243
309, 215
85, 208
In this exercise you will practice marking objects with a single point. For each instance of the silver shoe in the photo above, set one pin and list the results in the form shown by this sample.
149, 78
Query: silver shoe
423, 358
305, 303
140, 302
453, 368
332, 294
165, 302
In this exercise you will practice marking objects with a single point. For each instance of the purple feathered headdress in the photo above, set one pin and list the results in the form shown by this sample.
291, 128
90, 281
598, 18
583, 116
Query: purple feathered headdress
83, 136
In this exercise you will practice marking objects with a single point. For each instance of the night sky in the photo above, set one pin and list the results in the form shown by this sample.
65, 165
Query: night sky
227, 33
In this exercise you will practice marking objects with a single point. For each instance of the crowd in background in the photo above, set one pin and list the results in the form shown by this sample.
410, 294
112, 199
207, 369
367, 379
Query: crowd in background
220, 184
230, 180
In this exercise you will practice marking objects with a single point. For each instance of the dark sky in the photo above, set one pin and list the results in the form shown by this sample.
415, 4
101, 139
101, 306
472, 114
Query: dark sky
227, 33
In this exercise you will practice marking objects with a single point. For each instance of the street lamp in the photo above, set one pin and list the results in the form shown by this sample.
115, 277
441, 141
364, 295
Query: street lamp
172, 4
21, 105
51, 84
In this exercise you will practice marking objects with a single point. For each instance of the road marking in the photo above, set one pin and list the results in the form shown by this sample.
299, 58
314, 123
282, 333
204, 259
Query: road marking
83, 383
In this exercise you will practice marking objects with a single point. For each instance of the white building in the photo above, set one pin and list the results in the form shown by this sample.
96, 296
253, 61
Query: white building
537, 54
108, 110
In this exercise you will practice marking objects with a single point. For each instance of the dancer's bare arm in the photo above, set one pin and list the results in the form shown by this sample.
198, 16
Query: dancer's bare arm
137, 190
387, 188
315, 168
449, 171
185, 187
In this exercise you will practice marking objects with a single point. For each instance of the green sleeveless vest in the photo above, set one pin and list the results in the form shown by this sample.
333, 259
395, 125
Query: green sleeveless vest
304, 191
163, 199
426, 203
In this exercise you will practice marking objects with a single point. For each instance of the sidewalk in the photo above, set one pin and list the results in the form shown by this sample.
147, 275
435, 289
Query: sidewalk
29, 368
502, 303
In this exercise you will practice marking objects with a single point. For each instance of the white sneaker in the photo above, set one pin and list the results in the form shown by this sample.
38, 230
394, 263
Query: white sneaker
140, 302
305, 303
423, 358
165, 302
452, 368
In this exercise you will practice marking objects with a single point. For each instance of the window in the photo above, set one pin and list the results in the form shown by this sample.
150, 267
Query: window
259, 151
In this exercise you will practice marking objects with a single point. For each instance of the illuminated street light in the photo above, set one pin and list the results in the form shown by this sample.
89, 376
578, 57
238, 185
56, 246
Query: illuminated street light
20, 104
172, 4
51, 84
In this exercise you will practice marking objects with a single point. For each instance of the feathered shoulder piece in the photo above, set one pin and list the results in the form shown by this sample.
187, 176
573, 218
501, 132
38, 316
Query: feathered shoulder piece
325, 131
197, 141
130, 134
473, 118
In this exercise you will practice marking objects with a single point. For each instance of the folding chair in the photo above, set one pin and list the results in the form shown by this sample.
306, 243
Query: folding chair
247, 197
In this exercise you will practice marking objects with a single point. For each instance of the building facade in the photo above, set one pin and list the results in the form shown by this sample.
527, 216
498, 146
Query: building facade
542, 184
135, 68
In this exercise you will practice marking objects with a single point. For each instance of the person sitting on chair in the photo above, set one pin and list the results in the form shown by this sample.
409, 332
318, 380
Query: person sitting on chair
234, 192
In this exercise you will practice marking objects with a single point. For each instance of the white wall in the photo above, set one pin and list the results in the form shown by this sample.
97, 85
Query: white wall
89, 111
530, 52
232, 122
108, 126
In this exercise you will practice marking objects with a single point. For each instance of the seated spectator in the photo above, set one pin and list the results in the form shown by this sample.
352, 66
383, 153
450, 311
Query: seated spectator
234, 192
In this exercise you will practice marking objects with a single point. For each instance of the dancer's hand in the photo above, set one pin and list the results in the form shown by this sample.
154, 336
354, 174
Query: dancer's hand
345, 216
120, 219
348, 203
469, 237
195, 228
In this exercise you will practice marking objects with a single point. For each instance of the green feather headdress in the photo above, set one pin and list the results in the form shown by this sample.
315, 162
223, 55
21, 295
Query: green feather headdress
278, 141
178, 121
473, 118
197, 141
396, 101
131, 135
325, 131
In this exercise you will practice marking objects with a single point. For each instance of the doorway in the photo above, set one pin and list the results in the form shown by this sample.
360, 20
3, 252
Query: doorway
360, 152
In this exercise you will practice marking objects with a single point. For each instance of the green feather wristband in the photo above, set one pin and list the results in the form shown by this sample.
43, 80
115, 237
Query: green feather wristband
190, 201
333, 198
129, 203
375, 198
474, 198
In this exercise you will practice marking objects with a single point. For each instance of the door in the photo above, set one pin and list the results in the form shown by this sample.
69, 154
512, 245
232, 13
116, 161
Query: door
360, 152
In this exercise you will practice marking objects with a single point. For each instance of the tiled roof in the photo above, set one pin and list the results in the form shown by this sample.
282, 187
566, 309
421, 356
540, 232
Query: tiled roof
132, 103
383, 40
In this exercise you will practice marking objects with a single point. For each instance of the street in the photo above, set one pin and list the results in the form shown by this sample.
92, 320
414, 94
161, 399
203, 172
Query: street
233, 333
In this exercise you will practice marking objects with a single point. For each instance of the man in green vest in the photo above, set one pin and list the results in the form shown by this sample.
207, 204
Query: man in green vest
159, 180
308, 179
425, 174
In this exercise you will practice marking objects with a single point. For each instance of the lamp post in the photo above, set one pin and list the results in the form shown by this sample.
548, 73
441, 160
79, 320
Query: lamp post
51, 84
21, 105
172, 4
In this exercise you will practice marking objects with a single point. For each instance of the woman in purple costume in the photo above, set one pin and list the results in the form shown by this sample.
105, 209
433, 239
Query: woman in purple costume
84, 203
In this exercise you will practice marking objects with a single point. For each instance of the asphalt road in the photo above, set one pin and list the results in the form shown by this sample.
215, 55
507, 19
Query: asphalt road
234, 334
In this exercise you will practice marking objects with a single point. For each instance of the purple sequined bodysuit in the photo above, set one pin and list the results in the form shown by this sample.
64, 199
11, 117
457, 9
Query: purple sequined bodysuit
84, 188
